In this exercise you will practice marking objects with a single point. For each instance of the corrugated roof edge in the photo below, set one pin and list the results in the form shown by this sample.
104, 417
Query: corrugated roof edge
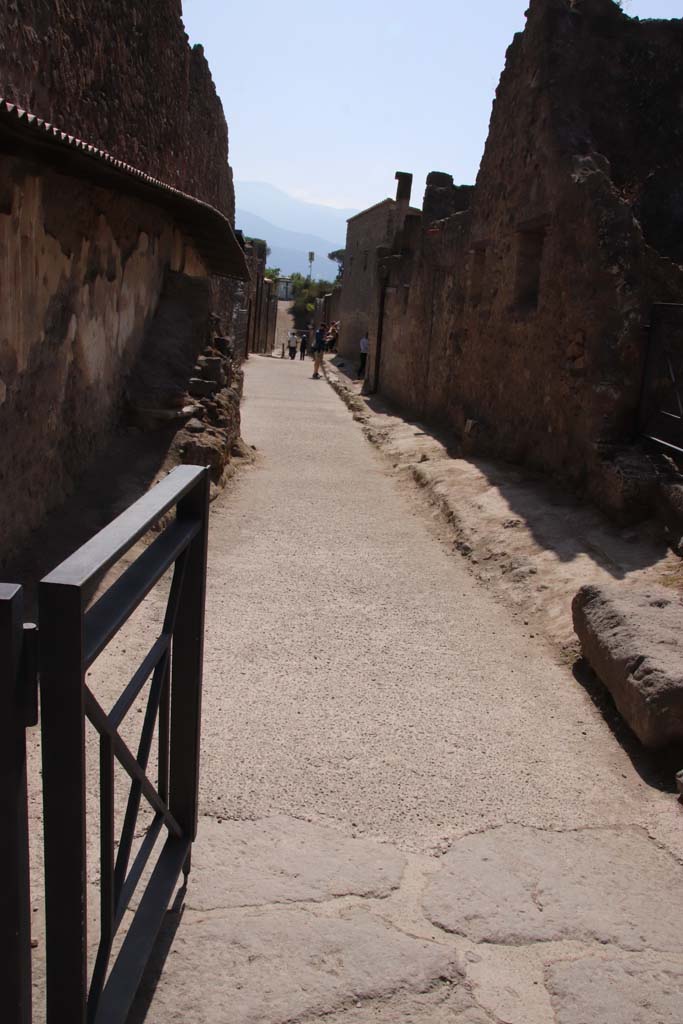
26, 133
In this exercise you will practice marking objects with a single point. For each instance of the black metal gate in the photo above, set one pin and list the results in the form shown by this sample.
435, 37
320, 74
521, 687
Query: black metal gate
661, 411
71, 636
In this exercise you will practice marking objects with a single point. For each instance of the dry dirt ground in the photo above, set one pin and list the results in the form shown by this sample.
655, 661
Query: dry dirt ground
412, 809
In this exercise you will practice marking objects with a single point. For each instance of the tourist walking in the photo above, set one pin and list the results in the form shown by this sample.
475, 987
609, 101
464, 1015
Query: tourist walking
364, 345
303, 345
291, 341
318, 350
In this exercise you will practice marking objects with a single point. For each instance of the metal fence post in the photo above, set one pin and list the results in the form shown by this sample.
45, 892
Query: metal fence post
186, 668
63, 732
15, 902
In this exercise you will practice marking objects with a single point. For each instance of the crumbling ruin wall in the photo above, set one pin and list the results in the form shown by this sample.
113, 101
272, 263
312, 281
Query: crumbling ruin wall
521, 323
122, 76
256, 296
87, 247
81, 272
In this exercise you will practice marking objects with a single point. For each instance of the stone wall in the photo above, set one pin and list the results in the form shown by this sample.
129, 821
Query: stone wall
328, 309
81, 272
123, 77
520, 322
259, 300
358, 308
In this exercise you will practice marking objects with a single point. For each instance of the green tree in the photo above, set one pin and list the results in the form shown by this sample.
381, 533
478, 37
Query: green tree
305, 294
272, 272
338, 257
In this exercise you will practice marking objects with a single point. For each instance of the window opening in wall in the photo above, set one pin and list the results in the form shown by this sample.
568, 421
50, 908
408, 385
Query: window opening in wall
477, 274
528, 269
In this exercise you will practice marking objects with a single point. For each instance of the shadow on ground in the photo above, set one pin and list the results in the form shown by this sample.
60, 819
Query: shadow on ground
155, 965
657, 768
558, 520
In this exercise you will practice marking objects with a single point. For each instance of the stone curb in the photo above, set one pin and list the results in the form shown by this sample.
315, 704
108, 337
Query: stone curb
502, 550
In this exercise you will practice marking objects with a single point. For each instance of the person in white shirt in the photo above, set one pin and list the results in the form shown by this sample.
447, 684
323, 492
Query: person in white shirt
364, 344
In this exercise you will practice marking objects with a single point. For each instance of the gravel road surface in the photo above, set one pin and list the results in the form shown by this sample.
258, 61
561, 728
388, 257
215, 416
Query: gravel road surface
412, 812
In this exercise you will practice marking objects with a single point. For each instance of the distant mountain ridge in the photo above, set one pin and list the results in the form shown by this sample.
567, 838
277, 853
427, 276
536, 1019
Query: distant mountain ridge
291, 227
290, 249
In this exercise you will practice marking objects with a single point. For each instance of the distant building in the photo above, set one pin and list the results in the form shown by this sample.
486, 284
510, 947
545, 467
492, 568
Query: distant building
370, 230
284, 288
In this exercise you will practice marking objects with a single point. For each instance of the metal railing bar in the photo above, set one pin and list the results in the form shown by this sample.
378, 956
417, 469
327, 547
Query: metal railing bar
72, 636
668, 312
664, 444
175, 594
125, 758
163, 757
115, 606
106, 872
138, 866
140, 677
127, 972
100, 553
15, 909
133, 805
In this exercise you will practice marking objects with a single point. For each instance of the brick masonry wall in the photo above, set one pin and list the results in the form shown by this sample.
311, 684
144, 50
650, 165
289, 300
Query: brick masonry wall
121, 75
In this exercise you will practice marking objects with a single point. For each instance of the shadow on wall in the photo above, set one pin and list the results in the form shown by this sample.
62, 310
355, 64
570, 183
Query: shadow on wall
131, 467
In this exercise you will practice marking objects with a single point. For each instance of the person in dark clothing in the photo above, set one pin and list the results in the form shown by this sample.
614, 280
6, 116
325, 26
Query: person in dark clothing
364, 345
303, 345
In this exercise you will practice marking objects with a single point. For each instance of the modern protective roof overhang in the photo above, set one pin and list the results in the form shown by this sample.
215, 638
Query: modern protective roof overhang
25, 134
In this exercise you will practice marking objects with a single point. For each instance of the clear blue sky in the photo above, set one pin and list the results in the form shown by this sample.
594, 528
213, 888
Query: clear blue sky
327, 100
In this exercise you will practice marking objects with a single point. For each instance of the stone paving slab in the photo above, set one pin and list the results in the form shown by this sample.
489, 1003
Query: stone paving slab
271, 966
516, 885
356, 675
285, 860
595, 991
447, 1004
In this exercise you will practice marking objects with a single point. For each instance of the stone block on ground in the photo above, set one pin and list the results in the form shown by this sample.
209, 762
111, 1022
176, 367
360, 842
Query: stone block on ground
633, 641
205, 449
224, 345
625, 991
195, 426
283, 860
210, 364
200, 388
516, 885
272, 966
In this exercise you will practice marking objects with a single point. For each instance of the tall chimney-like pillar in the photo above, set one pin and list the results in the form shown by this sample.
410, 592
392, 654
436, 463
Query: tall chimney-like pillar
403, 190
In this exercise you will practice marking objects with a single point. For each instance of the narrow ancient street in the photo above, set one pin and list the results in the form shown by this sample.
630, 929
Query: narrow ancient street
411, 811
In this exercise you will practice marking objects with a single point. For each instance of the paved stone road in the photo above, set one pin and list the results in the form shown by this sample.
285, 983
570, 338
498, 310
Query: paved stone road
411, 812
